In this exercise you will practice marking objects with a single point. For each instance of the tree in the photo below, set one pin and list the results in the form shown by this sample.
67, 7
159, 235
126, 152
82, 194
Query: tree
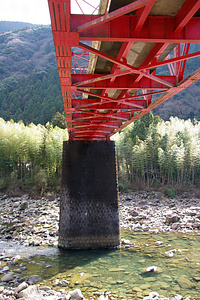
59, 120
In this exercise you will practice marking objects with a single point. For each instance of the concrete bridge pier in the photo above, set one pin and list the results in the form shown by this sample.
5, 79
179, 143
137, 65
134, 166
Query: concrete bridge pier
89, 197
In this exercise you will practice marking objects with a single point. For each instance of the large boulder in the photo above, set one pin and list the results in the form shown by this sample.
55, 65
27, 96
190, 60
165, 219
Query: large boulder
30, 293
20, 288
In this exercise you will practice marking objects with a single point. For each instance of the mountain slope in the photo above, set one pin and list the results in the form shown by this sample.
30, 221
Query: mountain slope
29, 83
11, 26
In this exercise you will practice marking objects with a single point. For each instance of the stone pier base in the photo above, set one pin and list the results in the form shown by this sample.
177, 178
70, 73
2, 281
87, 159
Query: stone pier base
89, 197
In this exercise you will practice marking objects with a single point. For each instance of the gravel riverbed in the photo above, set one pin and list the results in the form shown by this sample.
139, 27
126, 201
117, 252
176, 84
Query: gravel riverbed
34, 222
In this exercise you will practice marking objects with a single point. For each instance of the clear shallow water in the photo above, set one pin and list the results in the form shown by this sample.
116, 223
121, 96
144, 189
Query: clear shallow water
122, 271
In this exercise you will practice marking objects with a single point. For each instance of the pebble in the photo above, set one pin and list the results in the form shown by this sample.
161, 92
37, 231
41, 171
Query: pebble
151, 269
187, 259
170, 253
158, 243
63, 282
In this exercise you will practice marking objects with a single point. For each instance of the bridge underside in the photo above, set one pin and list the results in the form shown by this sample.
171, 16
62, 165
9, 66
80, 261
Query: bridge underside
138, 53
130, 45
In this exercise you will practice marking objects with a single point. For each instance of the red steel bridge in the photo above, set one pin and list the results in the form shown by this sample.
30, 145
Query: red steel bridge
119, 59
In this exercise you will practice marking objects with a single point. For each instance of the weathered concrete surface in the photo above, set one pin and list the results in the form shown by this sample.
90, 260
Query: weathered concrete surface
89, 198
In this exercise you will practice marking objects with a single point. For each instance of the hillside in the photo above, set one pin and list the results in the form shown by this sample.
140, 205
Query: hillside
29, 83
6, 26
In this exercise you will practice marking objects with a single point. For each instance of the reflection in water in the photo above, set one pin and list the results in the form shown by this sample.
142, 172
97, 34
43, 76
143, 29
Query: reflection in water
123, 271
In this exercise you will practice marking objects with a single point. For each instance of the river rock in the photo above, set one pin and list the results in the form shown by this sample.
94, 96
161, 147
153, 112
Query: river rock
63, 282
56, 282
5, 269
102, 297
153, 295
170, 253
175, 226
33, 279
158, 243
45, 288
24, 205
172, 218
133, 213
137, 289
75, 295
8, 277
185, 283
30, 293
196, 278
177, 297
152, 269
17, 271
145, 286
20, 288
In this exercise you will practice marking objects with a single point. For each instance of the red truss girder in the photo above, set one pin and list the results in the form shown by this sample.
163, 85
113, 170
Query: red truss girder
114, 31
91, 113
122, 82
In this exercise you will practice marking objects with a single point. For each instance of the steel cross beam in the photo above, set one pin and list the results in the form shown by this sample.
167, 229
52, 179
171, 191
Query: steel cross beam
112, 31
99, 104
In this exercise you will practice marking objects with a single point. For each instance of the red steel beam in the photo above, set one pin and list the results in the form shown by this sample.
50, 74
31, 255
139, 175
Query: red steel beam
185, 14
103, 77
104, 105
113, 31
142, 15
60, 21
125, 82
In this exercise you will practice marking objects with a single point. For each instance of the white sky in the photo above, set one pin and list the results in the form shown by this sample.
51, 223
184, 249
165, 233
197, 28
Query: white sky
30, 11
34, 11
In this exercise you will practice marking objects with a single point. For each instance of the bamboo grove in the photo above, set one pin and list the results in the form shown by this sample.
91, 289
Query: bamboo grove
150, 152
30, 156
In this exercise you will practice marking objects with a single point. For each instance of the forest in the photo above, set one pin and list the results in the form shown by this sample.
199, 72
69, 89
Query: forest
150, 153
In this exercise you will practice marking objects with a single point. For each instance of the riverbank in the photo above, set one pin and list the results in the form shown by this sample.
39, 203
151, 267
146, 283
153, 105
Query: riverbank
34, 222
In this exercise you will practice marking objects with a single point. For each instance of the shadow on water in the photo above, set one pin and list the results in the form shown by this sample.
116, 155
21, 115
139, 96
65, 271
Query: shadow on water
64, 260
